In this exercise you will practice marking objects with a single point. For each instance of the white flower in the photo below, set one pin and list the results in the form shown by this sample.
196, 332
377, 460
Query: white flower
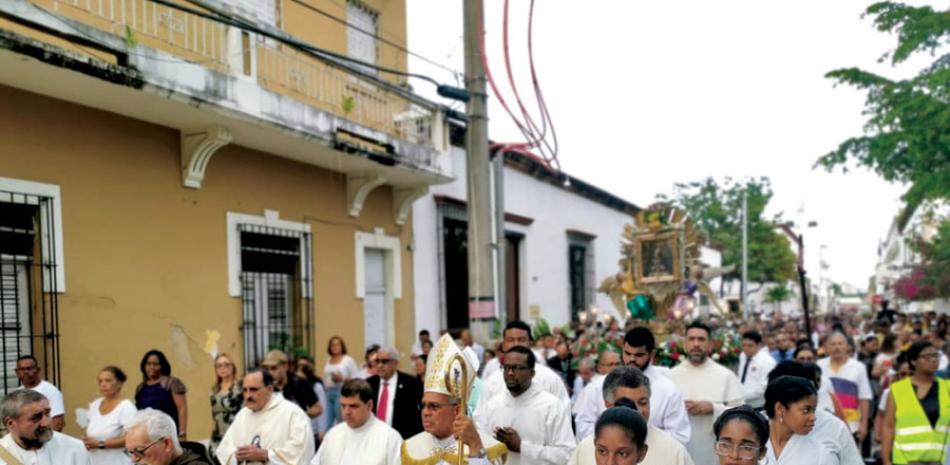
715, 356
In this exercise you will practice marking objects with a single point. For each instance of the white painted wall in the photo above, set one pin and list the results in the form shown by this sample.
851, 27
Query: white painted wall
544, 280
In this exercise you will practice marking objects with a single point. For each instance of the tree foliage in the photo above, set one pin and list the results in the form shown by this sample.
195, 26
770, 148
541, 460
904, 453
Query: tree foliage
716, 209
907, 135
777, 294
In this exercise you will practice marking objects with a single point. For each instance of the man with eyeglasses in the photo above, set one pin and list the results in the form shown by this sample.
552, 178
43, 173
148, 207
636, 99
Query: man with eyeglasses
396, 394
669, 410
31, 439
445, 421
606, 361
629, 383
534, 425
518, 334
151, 438
269, 429
361, 438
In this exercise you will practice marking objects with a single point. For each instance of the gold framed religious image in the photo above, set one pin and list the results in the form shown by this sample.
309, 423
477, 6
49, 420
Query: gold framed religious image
657, 258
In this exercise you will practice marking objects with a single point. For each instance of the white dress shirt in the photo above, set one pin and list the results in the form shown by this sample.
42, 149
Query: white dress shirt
756, 377
667, 408
391, 396
542, 421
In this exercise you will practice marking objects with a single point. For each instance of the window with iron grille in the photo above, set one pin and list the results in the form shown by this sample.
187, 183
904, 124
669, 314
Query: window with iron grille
275, 282
28, 272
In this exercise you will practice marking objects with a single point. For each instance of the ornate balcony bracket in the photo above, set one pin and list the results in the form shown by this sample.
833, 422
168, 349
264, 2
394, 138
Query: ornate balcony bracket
403, 199
197, 147
358, 188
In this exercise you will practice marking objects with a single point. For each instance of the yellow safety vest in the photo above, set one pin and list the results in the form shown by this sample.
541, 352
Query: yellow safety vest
914, 439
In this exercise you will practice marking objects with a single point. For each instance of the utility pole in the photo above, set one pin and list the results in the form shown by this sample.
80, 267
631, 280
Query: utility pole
481, 296
745, 254
803, 283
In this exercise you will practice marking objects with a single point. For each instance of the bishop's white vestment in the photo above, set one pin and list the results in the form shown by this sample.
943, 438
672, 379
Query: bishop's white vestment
426, 449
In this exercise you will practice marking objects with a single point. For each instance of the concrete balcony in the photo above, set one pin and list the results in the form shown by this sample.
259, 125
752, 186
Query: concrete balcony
218, 85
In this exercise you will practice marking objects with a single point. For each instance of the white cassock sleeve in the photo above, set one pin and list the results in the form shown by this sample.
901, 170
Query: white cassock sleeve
675, 418
589, 409
559, 439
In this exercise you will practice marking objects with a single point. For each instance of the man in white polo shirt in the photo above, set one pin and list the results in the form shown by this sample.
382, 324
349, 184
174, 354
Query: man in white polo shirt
28, 372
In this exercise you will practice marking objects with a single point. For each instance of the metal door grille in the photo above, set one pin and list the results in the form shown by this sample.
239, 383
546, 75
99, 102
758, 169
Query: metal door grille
276, 274
29, 311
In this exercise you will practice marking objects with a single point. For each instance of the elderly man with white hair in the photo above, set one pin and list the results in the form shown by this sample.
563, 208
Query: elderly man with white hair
396, 394
151, 438
26, 415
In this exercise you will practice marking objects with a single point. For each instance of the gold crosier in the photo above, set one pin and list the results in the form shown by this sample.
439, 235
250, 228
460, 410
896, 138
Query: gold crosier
459, 388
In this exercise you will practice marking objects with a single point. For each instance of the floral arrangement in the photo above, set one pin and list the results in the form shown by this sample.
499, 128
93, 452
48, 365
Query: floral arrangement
725, 348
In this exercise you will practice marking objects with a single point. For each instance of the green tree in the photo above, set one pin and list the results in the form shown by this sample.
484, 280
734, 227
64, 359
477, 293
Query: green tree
907, 135
778, 294
716, 209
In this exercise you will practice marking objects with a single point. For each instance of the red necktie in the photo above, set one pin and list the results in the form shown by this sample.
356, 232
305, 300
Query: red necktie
383, 402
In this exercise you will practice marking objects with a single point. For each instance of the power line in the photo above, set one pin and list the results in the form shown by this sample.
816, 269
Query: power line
375, 36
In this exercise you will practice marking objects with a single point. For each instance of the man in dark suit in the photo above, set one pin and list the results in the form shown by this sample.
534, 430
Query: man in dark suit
397, 394
563, 364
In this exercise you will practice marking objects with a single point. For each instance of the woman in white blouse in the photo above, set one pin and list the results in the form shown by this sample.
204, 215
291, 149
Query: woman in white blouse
107, 415
790, 403
339, 368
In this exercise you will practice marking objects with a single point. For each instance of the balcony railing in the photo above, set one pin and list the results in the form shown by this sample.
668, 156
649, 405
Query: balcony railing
279, 68
322, 85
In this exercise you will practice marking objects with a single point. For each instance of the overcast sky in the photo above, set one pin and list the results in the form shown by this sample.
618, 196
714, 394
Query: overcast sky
645, 94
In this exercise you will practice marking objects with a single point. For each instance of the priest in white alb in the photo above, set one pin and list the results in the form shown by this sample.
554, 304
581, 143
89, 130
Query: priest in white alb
268, 430
709, 389
361, 439
31, 439
444, 416
518, 334
534, 425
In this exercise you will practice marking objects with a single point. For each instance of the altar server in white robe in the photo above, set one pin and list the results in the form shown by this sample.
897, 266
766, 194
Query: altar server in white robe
269, 429
534, 425
790, 403
361, 439
31, 439
628, 386
667, 409
709, 389
741, 436
829, 431
518, 334
621, 437
444, 418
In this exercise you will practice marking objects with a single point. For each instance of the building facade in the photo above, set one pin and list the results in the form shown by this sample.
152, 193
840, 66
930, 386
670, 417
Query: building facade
191, 177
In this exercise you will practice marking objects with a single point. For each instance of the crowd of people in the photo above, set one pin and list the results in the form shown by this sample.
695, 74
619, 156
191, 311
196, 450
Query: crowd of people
856, 389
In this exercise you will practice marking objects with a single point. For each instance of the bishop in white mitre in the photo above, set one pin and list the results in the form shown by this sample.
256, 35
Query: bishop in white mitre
444, 418
361, 439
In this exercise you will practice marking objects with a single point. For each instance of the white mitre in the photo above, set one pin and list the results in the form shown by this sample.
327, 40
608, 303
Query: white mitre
442, 361
426, 449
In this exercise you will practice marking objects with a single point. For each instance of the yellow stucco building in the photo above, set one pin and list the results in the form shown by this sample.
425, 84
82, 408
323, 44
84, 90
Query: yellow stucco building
172, 179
